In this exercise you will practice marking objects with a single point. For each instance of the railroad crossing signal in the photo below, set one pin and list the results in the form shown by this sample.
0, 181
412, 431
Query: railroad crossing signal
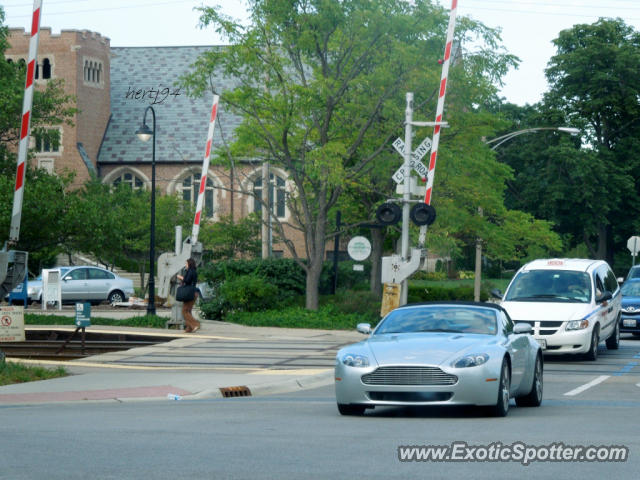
415, 163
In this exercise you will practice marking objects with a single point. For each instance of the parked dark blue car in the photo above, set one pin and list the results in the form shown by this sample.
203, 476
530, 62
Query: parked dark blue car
630, 311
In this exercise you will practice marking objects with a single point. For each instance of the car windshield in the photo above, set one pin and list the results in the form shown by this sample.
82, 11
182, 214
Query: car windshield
440, 318
631, 289
550, 286
634, 272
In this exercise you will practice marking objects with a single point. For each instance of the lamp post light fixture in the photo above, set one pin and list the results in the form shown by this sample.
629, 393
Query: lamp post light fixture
144, 133
500, 140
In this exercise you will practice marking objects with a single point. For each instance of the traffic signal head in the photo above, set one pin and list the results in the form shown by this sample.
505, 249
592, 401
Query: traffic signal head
388, 213
422, 214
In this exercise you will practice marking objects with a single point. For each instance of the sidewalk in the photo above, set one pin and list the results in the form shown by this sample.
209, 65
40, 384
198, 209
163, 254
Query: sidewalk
259, 360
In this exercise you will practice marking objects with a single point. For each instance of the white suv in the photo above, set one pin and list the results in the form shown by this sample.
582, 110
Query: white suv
572, 304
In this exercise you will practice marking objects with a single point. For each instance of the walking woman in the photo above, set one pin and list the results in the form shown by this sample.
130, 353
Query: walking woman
190, 278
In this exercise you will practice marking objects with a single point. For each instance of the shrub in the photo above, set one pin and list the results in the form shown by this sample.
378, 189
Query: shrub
466, 274
429, 276
348, 278
248, 293
284, 273
326, 317
438, 293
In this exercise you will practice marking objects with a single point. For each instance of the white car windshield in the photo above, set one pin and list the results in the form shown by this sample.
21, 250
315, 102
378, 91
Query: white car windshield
440, 318
550, 286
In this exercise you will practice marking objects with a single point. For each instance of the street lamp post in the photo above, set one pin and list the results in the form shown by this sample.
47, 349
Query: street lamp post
144, 133
500, 140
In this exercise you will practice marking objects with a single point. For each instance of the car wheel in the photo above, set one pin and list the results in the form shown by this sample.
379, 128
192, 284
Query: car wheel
345, 409
501, 407
534, 397
592, 354
613, 342
116, 296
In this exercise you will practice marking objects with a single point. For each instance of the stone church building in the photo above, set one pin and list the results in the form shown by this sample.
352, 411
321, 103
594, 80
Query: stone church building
113, 87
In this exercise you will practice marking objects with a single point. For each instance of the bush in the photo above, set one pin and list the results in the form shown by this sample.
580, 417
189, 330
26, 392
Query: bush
326, 317
284, 273
429, 276
466, 274
248, 293
438, 293
348, 278
349, 302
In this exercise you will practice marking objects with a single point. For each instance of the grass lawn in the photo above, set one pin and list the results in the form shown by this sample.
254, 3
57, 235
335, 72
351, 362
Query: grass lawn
17, 373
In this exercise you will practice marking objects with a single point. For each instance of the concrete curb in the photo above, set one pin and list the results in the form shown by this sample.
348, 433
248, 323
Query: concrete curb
278, 387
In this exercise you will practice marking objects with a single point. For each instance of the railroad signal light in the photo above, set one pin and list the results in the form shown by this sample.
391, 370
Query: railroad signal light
422, 214
388, 213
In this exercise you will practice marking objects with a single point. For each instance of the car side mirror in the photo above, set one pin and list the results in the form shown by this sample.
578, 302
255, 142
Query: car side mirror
523, 328
606, 295
364, 328
496, 293
620, 280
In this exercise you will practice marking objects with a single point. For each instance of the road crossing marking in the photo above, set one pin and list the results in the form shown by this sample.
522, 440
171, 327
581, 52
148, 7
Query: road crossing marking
586, 386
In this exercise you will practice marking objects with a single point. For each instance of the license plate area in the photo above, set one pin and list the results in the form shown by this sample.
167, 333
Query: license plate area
628, 322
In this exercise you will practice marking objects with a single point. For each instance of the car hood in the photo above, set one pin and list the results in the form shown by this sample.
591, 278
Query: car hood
426, 348
536, 311
630, 300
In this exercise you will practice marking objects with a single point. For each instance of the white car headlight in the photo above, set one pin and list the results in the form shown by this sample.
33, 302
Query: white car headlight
353, 360
577, 324
471, 360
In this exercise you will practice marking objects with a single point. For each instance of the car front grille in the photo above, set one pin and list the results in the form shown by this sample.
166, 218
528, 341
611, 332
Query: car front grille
543, 327
631, 309
405, 375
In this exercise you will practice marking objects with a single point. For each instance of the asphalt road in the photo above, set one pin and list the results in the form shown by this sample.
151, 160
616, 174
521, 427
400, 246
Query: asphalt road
302, 435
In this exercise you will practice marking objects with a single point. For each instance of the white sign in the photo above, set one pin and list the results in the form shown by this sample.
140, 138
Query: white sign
12, 324
359, 248
417, 155
633, 244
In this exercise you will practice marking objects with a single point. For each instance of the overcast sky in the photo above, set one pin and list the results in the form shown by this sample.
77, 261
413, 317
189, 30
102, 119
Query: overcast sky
528, 26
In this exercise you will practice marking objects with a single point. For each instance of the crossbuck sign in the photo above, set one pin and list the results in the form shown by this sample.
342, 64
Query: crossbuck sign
415, 163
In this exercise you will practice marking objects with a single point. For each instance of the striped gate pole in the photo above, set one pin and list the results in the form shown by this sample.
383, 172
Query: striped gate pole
27, 102
439, 110
205, 169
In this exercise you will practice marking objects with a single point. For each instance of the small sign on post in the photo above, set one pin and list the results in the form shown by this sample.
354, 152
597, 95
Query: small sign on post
83, 314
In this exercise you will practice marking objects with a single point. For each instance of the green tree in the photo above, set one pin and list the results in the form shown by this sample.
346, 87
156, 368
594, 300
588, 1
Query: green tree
226, 239
594, 83
321, 86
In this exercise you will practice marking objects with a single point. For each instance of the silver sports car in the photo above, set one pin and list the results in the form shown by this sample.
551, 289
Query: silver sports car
441, 353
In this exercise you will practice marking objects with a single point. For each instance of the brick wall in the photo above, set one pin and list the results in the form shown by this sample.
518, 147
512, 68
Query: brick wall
65, 52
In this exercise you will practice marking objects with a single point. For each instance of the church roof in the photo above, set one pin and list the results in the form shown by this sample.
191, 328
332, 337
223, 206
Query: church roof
141, 76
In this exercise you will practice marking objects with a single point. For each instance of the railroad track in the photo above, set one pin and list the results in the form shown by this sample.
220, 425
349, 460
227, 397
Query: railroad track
56, 345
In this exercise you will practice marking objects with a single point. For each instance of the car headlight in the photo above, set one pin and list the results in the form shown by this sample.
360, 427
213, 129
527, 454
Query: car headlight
471, 360
577, 324
353, 360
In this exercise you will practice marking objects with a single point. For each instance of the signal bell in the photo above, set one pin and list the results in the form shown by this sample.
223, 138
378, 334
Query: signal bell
388, 213
422, 214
